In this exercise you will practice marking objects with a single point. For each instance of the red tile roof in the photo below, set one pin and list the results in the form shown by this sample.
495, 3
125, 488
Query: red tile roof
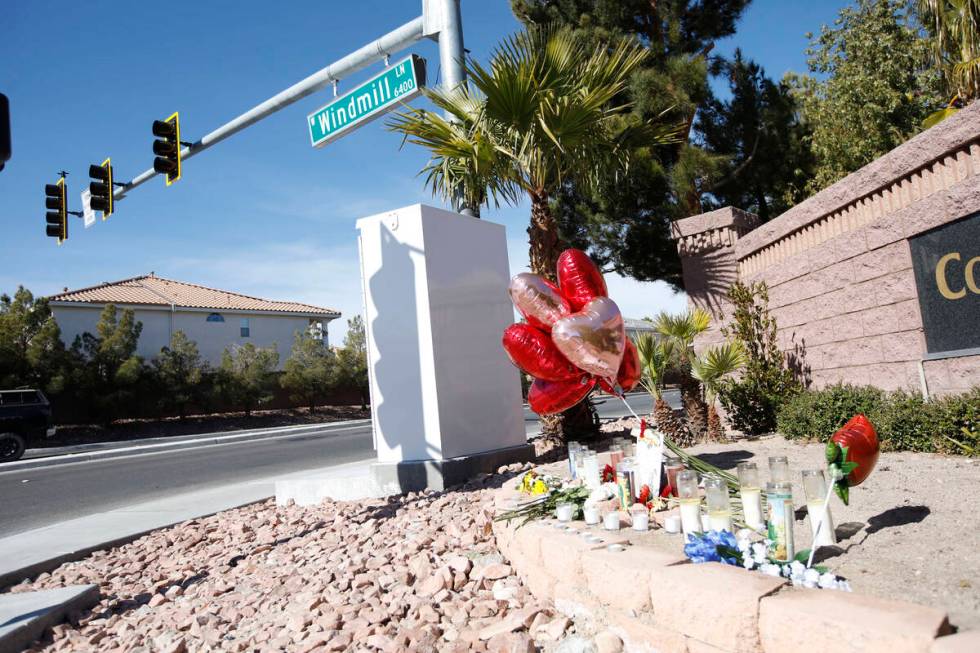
157, 291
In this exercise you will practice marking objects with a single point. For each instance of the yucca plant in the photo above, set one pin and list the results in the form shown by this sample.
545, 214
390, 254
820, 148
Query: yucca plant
710, 367
681, 330
656, 356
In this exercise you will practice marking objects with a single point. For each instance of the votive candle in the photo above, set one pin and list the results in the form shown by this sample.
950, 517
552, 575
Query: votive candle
564, 511
610, 521
672, 524
779, 469
590, 464
751, 493
615, 455
573, 450
690, 501
779, 499
719, 507
623, 478
641, 518
815, 489
591, 515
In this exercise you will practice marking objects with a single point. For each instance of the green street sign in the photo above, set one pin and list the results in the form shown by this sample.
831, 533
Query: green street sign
375, 97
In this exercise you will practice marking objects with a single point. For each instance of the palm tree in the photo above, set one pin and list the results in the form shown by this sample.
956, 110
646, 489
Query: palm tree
954, 26
656, 356
710, 367
681, 330
544, 111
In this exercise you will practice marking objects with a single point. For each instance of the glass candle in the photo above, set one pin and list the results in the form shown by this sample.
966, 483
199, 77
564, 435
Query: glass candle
610, 521
672, 524
719, 508
751, 493
615, 455
591, 515
690, 501
641, 518
779, 469
573, 449
779, 498
625, 491
564, 511
815, 489
590, 465
672, 467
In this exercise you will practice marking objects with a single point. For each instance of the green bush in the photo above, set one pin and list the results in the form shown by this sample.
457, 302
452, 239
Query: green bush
904, 421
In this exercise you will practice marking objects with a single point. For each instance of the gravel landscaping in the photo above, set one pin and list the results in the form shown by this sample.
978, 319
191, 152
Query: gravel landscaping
414, 573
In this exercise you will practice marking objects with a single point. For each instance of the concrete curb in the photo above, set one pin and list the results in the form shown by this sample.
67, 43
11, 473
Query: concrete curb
205, 440
24, 617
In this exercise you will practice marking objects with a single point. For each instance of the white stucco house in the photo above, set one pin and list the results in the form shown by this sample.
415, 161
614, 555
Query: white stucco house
214, 319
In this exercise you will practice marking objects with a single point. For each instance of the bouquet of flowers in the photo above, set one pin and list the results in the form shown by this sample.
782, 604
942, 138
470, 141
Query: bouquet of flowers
740, 551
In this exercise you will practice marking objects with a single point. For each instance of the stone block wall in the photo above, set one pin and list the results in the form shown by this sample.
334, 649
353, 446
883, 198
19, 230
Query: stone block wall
838, 265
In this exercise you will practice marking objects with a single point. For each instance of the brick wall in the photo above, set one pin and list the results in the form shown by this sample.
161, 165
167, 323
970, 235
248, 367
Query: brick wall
838, 265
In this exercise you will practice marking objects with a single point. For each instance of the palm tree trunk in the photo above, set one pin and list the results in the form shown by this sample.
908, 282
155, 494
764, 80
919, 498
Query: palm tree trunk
543, 239
695, 410
715, 431
545, 247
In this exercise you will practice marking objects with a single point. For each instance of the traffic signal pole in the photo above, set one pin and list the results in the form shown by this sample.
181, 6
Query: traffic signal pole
440, 19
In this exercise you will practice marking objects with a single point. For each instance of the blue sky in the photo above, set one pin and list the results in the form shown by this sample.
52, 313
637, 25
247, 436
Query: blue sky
261, 213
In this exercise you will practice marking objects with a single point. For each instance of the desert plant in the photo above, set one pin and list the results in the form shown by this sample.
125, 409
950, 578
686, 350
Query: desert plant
754, 398
710, 367
179, 373
681, 330
310, 371
246, 375
352, 359
656, 356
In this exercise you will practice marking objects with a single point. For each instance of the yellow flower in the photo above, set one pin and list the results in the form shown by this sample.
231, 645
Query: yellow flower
539, 487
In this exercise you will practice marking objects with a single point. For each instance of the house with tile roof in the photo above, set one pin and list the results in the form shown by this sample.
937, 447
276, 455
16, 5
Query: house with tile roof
214, 319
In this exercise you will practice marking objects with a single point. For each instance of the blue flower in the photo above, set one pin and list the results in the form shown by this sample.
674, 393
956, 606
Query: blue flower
713, 546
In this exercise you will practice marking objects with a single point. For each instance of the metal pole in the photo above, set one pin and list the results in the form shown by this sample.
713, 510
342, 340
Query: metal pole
451, 55
391, 42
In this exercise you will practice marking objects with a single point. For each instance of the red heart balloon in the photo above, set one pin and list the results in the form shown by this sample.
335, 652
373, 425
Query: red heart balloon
549, 397
629, 371
538, 300
579, 279
533, 351
861, 440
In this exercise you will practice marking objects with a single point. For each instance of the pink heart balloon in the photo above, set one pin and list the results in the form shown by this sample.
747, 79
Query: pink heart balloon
594, 339
538, 300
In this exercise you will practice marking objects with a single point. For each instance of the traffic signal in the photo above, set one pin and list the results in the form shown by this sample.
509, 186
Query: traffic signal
167, 147
56, 200
101, 188
4, 130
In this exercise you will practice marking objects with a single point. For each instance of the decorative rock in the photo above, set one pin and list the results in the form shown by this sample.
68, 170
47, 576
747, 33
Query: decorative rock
494, 571
554, 630
576, 644
607, 642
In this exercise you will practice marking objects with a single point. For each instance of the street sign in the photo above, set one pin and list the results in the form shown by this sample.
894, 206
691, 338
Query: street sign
88, 215
373, 98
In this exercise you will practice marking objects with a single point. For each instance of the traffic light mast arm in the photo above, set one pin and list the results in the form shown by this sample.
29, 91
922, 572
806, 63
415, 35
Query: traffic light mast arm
377, 50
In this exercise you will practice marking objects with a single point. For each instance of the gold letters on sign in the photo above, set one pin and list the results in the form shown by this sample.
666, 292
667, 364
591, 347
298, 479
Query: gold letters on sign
969, 274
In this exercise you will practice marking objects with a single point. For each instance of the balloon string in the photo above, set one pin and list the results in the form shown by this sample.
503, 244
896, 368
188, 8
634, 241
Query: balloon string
660, 444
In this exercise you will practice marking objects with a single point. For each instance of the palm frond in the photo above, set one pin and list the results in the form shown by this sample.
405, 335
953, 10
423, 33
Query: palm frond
715, 363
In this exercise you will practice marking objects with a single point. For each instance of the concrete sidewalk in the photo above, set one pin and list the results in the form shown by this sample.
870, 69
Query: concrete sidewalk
30, 553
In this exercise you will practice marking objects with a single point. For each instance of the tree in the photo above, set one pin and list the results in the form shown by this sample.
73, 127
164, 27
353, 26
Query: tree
624, 224
874, 90
352, 359
954, 26
31, 351
310, 371
753, 400
681, 330
246, 375
758, 131
710, 367
544, 112
179, 373
109, 370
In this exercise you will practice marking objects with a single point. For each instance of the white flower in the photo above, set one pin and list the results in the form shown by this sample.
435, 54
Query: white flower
744, 546
769, 569
811, 576
744, 533
786, 570
827, 581
809, 584
843, 586
759, 551
747, 562
797, 568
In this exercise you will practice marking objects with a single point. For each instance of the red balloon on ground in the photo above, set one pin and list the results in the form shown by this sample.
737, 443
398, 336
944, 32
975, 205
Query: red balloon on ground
549, 397
861, 440
579, 278
533, 351
629, 371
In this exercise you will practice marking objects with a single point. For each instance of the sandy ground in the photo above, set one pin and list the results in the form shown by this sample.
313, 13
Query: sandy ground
911, 531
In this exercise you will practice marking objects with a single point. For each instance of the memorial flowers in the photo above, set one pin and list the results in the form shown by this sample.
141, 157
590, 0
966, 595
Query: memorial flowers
740, 551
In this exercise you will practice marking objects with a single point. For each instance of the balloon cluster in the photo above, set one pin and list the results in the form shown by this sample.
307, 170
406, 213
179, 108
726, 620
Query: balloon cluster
574, 337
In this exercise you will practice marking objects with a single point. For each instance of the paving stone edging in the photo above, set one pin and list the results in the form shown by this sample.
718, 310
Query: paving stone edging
656, 601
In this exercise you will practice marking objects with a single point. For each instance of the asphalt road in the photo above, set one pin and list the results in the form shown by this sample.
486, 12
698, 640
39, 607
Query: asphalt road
33, 498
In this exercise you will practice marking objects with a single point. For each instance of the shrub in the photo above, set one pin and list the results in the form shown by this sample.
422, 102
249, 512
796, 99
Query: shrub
754, 398
904, 420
